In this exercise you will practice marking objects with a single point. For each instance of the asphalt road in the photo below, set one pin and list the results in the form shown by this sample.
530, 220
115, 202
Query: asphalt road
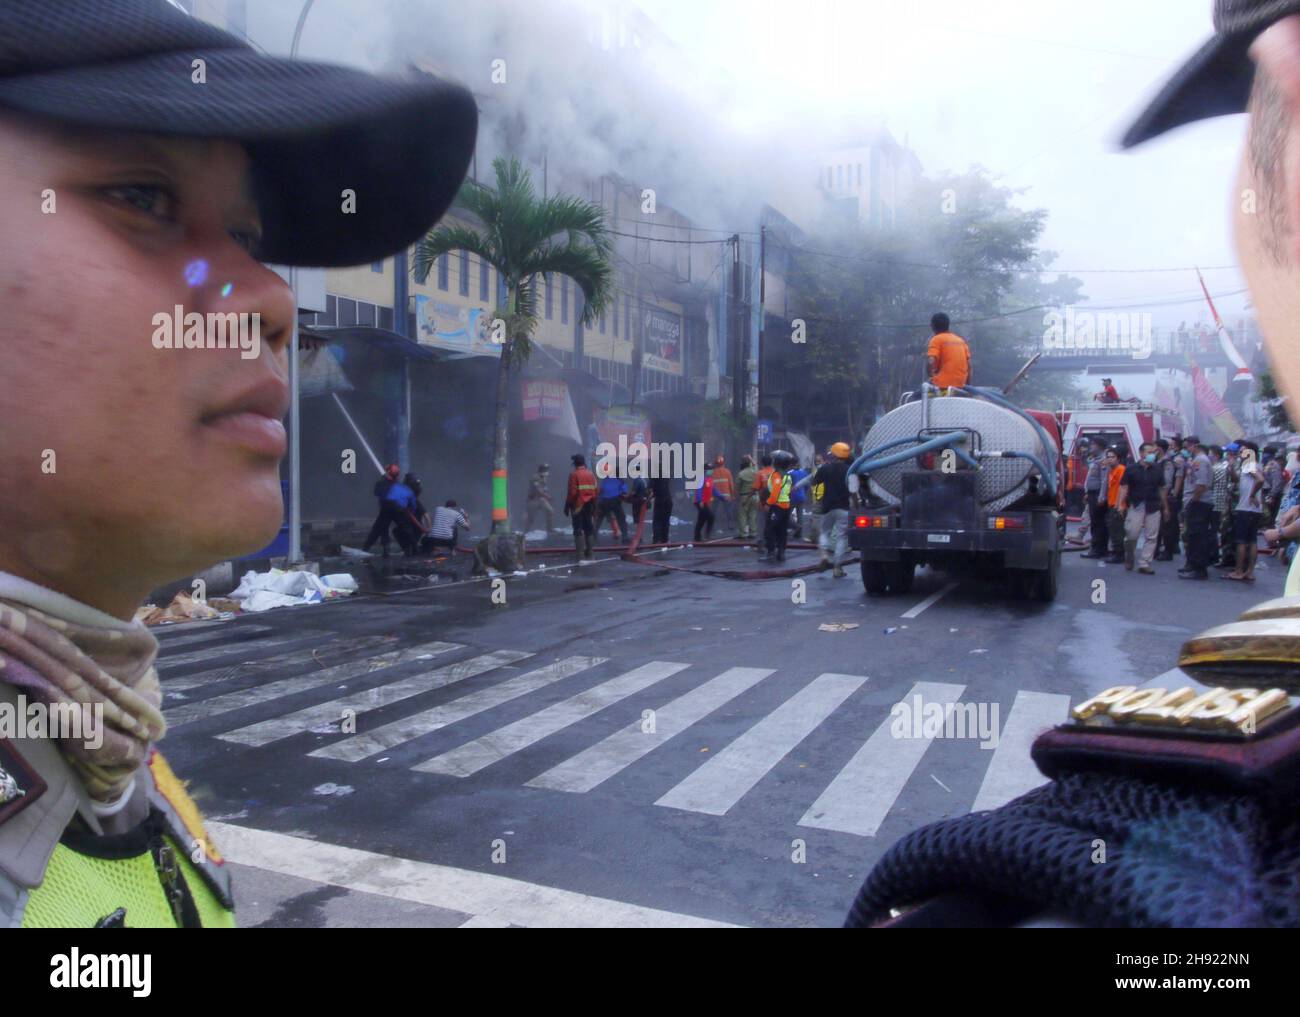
620, 744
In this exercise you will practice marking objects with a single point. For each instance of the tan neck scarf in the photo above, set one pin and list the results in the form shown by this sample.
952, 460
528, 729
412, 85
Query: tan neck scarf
55, 661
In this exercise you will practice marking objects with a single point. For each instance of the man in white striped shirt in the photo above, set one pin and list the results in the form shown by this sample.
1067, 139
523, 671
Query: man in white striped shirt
446, 523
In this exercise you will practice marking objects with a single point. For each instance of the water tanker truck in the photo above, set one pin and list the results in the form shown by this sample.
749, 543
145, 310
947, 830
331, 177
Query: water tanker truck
967, 483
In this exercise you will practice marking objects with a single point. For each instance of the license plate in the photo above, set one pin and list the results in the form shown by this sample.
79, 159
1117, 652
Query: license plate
939, 538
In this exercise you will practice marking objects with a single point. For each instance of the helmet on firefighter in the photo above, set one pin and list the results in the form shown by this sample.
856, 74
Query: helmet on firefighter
782, 459
841, 450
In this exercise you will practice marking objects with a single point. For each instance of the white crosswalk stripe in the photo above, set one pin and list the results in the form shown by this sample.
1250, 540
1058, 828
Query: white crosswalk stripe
726, 778
302, 683
473, 756
606, 758
861, 795
309, 656
272, 730
359, 746
230, 649
1011, 773
167, 643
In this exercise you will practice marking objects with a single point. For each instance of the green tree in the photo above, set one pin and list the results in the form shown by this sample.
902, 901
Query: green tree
961, 246
523, 236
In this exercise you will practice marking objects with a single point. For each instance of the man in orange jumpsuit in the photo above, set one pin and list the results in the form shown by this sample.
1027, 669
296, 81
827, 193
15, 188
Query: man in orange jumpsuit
948, 354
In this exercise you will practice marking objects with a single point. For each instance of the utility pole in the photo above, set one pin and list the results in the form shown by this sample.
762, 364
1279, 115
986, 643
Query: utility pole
762, 313
295, 432
738, 341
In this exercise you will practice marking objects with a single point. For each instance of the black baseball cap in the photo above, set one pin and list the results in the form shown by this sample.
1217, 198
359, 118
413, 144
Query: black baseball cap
312, 130
1218, 77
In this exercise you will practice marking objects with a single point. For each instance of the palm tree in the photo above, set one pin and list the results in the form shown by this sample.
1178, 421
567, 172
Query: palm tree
522, 237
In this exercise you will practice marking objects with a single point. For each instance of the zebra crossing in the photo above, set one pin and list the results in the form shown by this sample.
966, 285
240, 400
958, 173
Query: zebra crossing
485, 708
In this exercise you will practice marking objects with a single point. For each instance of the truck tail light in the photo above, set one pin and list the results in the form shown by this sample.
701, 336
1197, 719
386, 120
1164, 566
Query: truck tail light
1008, 523
865, 522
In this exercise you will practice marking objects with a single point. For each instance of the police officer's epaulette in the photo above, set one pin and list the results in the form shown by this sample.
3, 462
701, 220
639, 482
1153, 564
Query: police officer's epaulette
20, 784
1226, 719
185, 824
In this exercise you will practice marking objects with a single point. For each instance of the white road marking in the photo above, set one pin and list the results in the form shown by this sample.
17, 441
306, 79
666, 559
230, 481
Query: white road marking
479, 922
1011, 773
496, 745
603, 760
359, 746
303, 657
861, 795
225, 650
166, 643
490, 898
302, 683
267, 731
930, 600
726, 778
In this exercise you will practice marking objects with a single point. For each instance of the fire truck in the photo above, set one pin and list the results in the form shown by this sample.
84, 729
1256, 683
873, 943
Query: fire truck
1126, 425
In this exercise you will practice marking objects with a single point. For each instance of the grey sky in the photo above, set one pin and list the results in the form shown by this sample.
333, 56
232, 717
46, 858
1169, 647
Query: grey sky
1036, 91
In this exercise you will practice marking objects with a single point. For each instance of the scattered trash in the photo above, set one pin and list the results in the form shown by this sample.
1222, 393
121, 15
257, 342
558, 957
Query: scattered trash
941, 783
952, 630
182, 608
889, 631
535, 535
521, 572
330, 728
261, 591
840, 626
332, 789
354, 552
979, 651
697, 628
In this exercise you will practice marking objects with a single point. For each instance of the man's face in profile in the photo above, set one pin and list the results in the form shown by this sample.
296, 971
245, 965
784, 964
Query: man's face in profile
1266, 201
123, 465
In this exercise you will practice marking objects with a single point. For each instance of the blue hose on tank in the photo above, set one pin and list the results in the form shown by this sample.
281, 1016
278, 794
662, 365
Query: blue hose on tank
865, 462
997, 398
1049, 478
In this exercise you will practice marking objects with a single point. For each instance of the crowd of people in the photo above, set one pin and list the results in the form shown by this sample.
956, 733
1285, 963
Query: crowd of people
776, 493
1211, 500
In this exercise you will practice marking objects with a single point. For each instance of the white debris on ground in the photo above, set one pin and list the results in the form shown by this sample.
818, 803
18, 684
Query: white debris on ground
682, 522
332, 789
837, 626
261, 591
354, 552
535, 535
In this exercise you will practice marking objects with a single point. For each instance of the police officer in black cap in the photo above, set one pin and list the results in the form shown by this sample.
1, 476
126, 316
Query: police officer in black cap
1172, 804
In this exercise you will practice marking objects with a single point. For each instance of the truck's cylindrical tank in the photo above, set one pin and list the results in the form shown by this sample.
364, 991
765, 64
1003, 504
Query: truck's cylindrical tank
1001, 481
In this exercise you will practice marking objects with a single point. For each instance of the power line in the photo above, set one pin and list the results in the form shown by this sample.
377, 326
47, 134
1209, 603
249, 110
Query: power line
1035, 271
666, 240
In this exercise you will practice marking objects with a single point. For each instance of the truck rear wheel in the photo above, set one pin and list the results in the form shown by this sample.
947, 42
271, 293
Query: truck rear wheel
900, 576
874, 580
